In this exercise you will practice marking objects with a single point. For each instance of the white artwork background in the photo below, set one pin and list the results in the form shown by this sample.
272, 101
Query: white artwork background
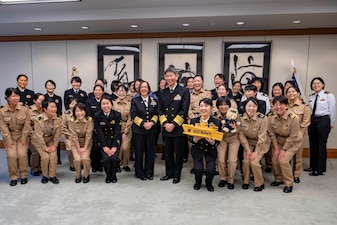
179, 60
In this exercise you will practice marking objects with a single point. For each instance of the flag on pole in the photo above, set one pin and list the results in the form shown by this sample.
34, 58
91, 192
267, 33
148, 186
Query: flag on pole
297, 82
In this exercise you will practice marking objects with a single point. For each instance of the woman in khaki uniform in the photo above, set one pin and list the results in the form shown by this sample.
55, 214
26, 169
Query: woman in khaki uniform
286, 137
222, 91
46, 137
302, 110
35, 110
66, 116
123, 105
228, 148
15, 128
255, 141
81, 127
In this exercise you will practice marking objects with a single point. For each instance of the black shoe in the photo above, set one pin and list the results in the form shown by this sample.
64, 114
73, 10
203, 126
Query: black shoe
313, 173
210, 188
71, 168
108, 180
93, 170
118, 169
114, 180
176, 180
192, 171
259, 188
78, 180
308, 169
196, 187
13, 183
142, 178
86, 179
216, 173
126, 169
100, 169
24, 181
35, 174
276, 183
230, 186
222, 183
165, 178
54, 180
44, 180
297, 180
59, 162
267, 170
245, 186
149, 177
288, 189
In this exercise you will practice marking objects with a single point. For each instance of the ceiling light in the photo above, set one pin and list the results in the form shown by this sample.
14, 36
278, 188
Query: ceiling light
240, 23
84, 28
12, 2
134, 25
37, 28
186, 24
297, 21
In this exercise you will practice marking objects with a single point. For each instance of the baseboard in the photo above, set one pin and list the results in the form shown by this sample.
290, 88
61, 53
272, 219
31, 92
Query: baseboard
332, 153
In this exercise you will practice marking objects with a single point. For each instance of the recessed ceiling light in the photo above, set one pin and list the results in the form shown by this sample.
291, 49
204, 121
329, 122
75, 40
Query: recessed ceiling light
297, 21
186, 24
134, 25
240, 23
37, 28
84, 28
9, 2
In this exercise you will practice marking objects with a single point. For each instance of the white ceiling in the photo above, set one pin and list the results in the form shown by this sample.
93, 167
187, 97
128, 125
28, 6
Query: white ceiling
111, 16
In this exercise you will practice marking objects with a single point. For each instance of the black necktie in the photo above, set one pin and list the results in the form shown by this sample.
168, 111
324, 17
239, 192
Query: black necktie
145, 102
315, 106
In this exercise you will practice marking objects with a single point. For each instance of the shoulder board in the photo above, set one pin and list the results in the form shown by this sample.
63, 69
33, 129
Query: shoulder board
264, 94
327, 92
39, 117
292, 116
270, 113
312, 94
305, 104
1, 106
72, 119
30, 107
261, 115
89, 118
67, 112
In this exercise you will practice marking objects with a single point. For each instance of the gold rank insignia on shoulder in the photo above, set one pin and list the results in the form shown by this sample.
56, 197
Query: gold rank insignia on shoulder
266, 95
112, 122
292, 116
72, 119
67, 112
39, 117
270, 113
89, 118
312, 94
327, 92
261, 115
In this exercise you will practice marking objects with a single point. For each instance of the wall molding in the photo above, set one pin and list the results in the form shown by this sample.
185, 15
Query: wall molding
232, 33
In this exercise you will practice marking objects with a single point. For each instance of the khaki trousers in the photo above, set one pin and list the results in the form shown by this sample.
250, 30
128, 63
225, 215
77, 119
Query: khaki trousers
255, 167
35, 160
297, 161
82, 161
228, 150
124, 154
48, 160
17, 157
67, 144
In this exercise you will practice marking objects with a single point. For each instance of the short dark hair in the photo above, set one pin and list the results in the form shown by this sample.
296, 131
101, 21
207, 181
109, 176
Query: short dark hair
295, 88
36, 96
113, 84
250, 87
122, 86
81, 106
207, 101
50, 81
76, 79
281, 99
291, 82
47, 102
199, 75
278, 84
141, 85
316, 78
258, 79
223, 99
21, 75
106, 97
253, 100
97, 85
220, 75
171, 69
10, 91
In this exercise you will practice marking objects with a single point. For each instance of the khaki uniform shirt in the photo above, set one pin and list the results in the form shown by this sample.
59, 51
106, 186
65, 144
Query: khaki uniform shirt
285, 131
303, 112
254, 132
47, 132
81, 131
123, 106
14, 123
195, 98
34, 112
215, 110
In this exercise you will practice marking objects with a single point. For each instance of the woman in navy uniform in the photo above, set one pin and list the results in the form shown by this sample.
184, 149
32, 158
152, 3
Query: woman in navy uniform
145, 117
93, 106
26, 95
323, 106
74, 92
204, 148
108, 128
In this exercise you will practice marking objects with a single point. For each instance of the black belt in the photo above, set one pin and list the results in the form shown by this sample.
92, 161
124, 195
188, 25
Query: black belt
316, 117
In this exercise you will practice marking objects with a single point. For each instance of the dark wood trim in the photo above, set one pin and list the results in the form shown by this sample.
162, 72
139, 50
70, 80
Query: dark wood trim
309, 31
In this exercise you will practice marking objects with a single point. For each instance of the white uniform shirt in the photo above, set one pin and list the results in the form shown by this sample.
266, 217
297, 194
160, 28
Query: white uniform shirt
261, 96
326, 105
